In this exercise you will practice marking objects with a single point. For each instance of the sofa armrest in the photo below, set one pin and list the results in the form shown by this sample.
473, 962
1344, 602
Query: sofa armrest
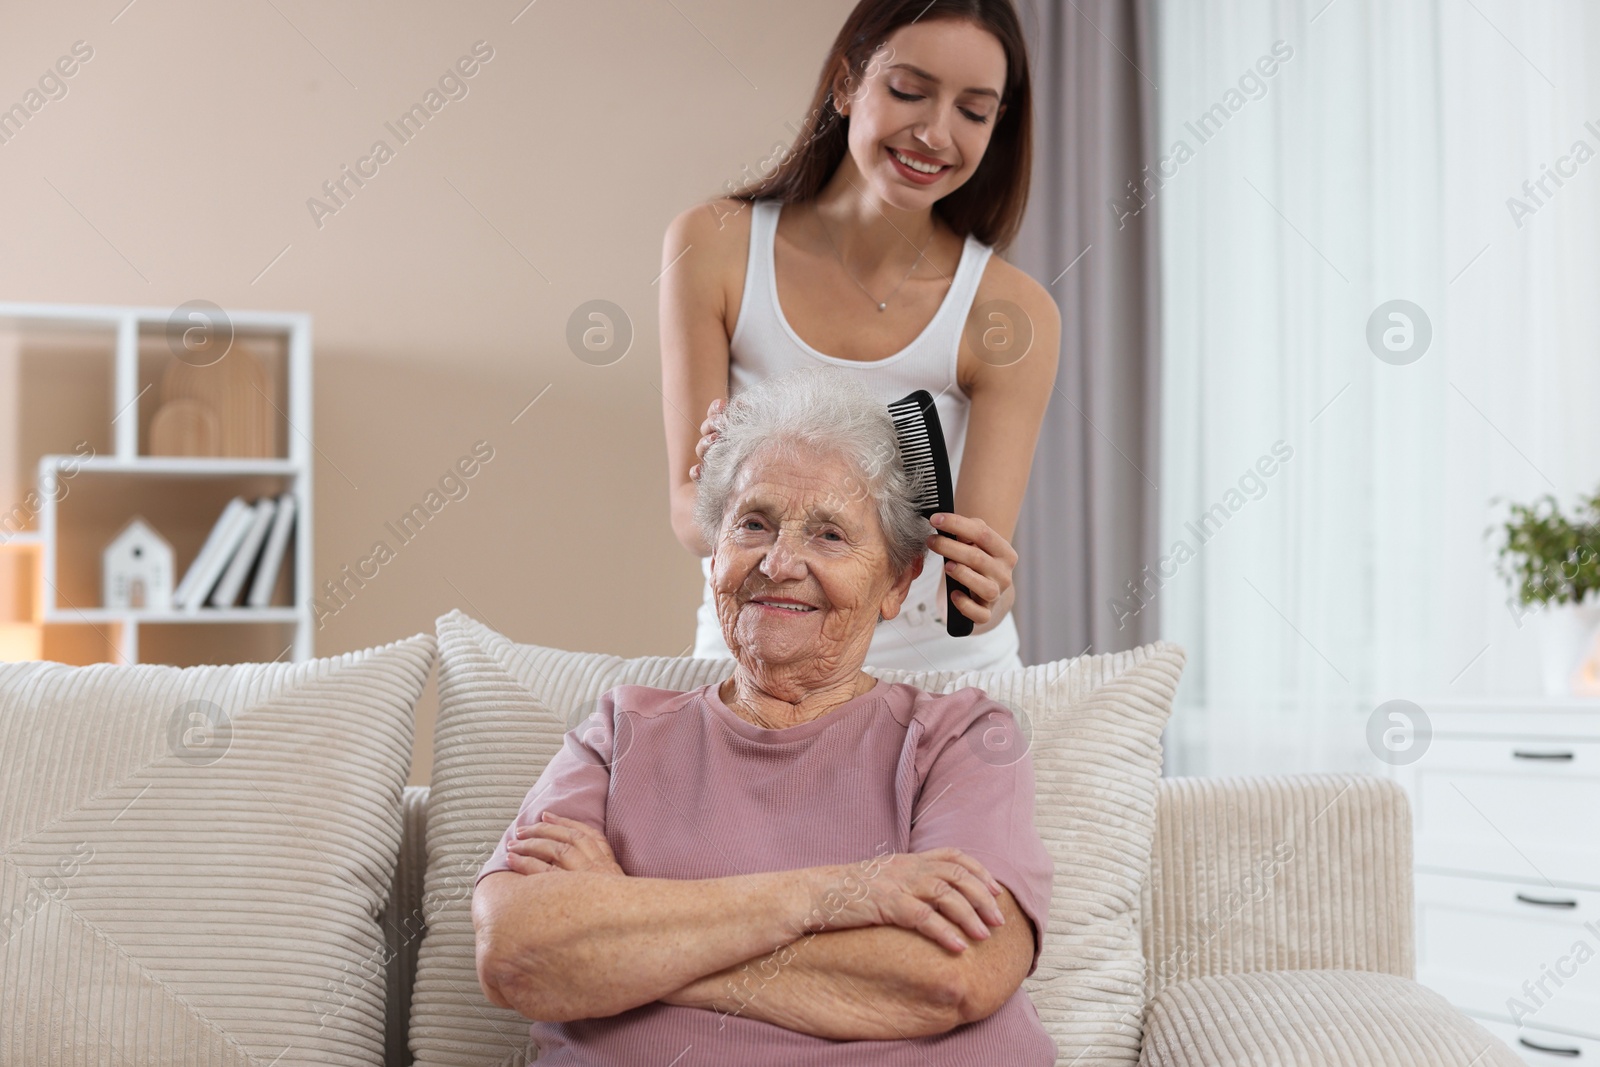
403, 924
1352, 1018
1303, 872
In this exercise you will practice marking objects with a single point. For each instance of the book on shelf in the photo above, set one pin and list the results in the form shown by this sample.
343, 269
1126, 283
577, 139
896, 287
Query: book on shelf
239, 522
213, 542
245, 548
266, 576
227, 590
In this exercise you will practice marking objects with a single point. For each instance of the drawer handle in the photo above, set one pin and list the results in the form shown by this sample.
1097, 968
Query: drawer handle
1547, 903
1519, 754
1549, 1048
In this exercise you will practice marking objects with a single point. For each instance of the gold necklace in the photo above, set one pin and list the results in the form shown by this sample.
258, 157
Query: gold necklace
884, 303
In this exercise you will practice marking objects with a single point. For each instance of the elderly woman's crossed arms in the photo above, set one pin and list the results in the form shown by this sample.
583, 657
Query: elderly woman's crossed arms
803, 862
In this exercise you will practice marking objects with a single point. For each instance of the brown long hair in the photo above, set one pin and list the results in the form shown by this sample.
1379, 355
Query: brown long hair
990, 205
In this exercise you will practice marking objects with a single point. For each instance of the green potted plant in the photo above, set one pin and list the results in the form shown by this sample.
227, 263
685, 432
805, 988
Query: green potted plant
1553, 565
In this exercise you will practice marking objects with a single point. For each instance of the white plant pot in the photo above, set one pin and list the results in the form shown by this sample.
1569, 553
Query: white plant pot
1566, 634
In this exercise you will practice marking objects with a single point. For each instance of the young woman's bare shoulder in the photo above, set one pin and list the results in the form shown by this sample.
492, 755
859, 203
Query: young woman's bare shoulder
720, 228
1009, 296
709, 243
1004, 280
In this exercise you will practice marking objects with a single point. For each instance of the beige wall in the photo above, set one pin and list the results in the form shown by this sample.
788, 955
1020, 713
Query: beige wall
179, 163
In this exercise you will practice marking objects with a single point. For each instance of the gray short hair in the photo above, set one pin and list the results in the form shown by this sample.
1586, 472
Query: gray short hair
822, 410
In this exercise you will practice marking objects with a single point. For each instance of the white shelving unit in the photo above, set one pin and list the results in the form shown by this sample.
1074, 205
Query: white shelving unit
127, 474
1505, 802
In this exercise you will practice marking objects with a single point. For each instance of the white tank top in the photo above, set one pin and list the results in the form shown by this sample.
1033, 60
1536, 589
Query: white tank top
764, 344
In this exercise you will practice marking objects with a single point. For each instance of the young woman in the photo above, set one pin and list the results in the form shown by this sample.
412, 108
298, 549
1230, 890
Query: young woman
869, 248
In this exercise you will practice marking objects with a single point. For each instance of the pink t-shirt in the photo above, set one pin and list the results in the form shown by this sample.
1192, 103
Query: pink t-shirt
684, 788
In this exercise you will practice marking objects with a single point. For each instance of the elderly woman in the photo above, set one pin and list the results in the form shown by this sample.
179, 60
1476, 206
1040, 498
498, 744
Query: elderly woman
801, 863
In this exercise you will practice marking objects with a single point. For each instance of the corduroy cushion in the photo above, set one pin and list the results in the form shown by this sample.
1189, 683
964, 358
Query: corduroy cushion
1313, 1019
1278, 873
193, 861
1095, 725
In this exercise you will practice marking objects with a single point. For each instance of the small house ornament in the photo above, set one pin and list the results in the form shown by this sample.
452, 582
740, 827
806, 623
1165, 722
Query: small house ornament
136, 569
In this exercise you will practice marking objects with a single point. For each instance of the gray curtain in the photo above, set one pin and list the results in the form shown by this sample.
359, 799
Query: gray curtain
1089, 522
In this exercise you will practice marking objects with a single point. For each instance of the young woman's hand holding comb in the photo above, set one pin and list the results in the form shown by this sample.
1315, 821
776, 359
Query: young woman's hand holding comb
978, 558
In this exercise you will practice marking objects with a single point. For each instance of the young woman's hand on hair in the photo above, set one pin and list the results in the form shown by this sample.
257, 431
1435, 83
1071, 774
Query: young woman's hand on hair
708, 433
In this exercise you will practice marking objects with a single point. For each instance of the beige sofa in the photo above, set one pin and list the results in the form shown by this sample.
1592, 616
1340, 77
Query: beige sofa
199, 865
1276, 921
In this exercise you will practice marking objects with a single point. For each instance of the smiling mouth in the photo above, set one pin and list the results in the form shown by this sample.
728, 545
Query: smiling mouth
918, 165
789, 606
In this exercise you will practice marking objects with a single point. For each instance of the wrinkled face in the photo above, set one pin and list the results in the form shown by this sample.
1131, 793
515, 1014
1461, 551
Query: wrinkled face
932, 92
800, 532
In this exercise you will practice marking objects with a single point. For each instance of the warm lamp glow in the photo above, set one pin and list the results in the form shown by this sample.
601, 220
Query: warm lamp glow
1586, 679
20, 641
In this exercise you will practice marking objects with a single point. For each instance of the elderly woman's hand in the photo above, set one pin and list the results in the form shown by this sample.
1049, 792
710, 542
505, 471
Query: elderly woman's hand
559, 843
977, 557
940, 893
708, 433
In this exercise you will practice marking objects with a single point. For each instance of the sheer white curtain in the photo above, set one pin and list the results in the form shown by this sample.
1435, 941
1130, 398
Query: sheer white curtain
1325, 159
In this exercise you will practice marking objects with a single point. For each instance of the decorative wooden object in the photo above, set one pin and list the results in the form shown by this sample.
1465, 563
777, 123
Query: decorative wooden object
239, 393
185, 427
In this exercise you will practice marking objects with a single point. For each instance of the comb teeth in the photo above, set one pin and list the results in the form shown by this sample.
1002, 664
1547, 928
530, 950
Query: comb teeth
916, 452
926, 489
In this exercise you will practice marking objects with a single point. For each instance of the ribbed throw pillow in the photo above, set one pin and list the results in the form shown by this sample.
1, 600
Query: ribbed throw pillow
193, 860
1092, 726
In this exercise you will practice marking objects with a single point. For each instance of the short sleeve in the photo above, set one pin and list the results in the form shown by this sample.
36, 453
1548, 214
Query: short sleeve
977, 795
574, 783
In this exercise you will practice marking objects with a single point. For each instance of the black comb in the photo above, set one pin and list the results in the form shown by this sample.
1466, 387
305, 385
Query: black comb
916, 424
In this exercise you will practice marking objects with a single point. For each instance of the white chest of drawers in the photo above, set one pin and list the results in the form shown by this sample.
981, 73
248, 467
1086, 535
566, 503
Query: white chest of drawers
1505, 803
